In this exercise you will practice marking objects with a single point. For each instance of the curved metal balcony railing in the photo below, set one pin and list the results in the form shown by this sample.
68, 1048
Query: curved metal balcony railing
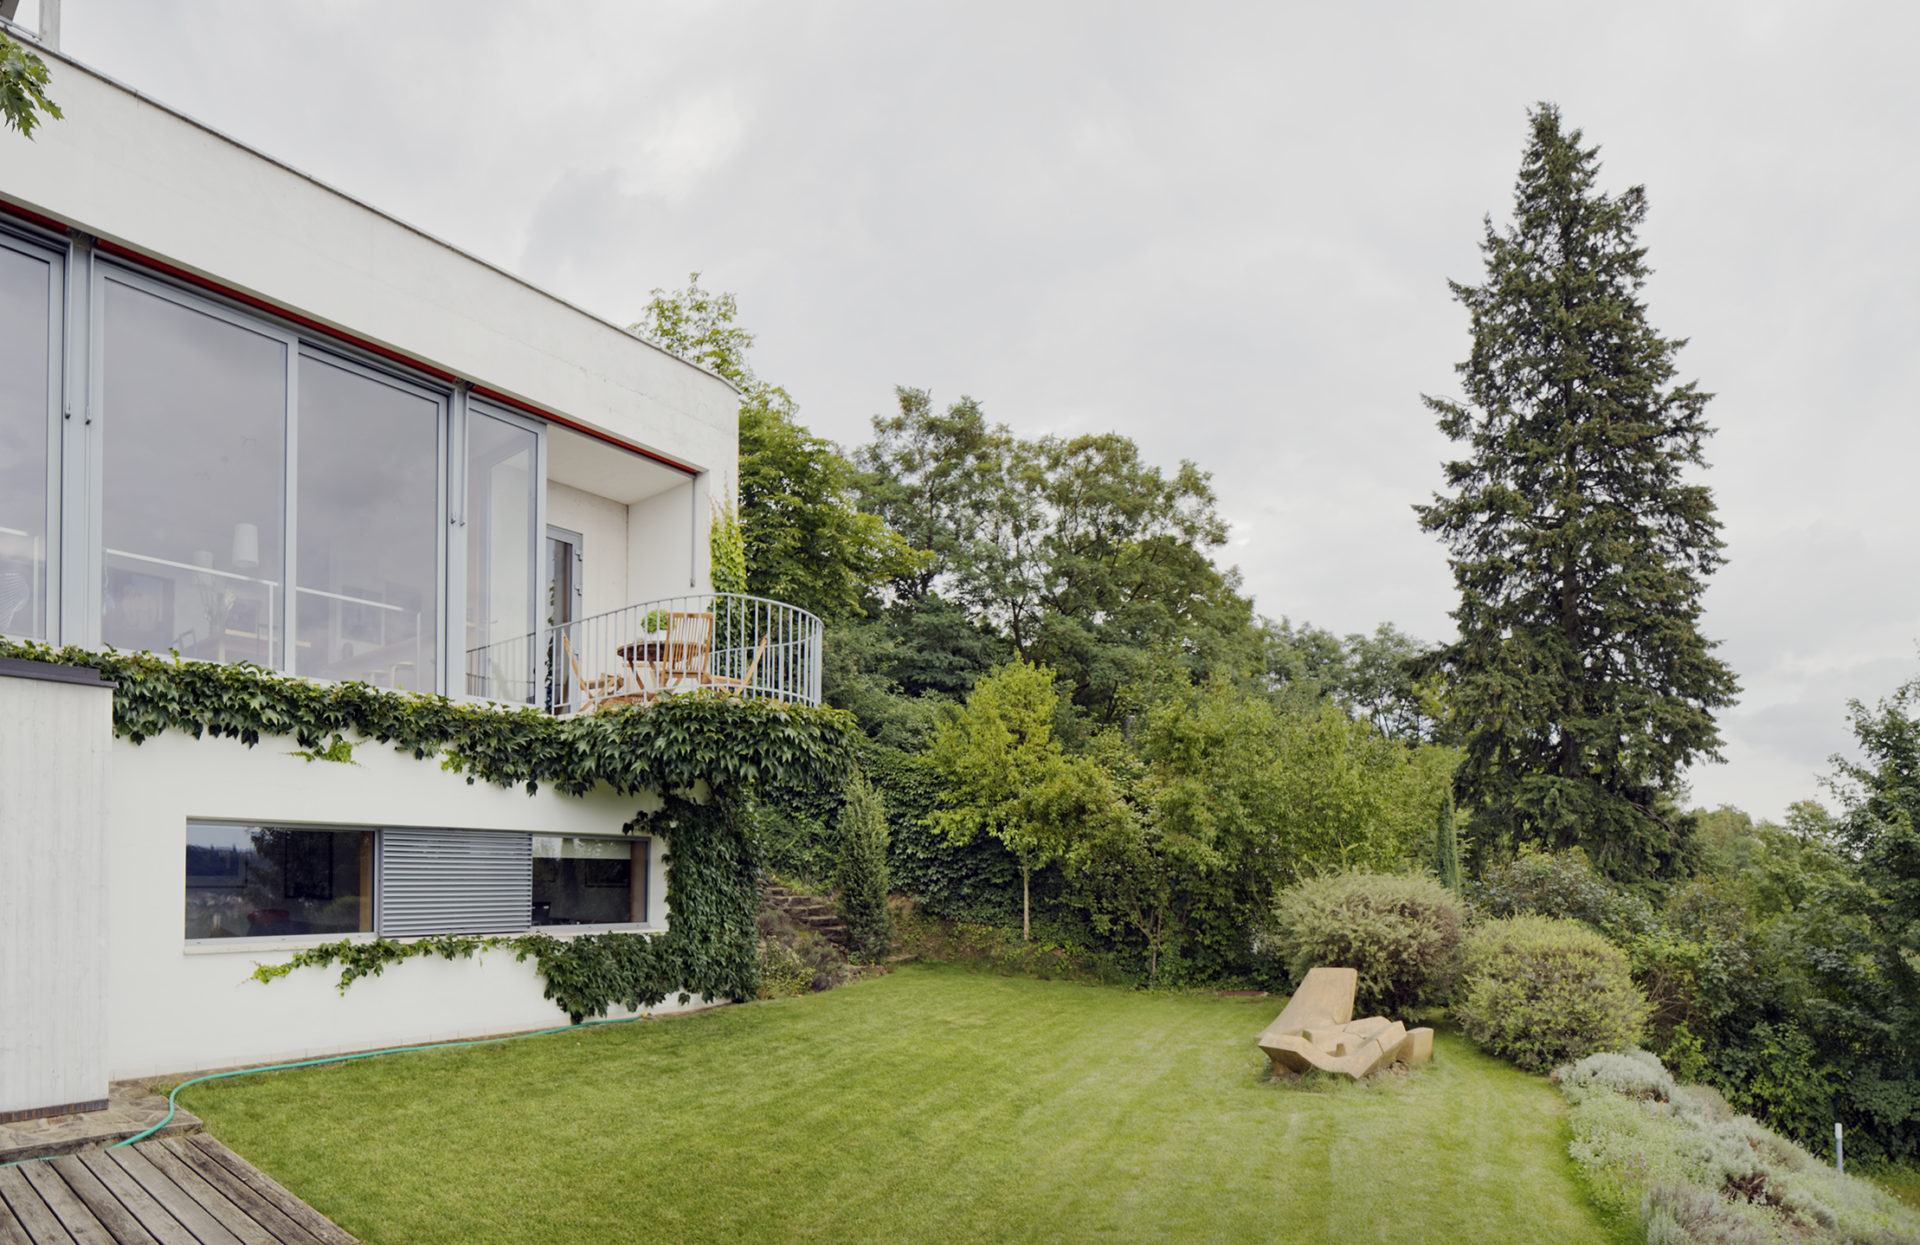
715, 641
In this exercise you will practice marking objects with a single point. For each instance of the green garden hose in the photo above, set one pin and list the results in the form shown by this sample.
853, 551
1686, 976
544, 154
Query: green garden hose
310, 1063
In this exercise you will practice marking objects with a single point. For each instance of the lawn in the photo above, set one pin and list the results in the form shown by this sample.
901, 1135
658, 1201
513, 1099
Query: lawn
930, 1104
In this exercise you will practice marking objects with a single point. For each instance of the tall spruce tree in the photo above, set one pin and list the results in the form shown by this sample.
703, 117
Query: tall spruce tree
1580, 547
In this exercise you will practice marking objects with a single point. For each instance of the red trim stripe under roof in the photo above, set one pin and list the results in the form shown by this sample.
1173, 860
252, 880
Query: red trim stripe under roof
360, 343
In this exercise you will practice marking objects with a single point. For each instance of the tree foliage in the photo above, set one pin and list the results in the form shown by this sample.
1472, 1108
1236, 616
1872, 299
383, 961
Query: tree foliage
806, 541
1085, 557
1007, 776
860, 874
23, 88
1580, 545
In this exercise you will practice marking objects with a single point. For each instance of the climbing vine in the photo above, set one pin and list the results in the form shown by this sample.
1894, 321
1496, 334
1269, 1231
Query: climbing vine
704, 756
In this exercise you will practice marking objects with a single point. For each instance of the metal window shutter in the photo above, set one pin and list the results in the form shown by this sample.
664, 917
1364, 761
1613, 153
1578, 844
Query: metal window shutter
455, 882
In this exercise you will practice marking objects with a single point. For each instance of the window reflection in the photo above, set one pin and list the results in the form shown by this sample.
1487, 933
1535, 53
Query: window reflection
262, 881
26, 294
369, 507
195, 460
581, 880
500, 558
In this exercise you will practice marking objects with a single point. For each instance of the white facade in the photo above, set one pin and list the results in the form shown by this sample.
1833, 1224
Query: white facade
124, 223
175, 1005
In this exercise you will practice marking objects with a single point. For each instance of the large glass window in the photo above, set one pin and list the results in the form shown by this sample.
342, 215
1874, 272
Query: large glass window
587, 881
195, 464
368, 527
26, 312
502, 494
261, 881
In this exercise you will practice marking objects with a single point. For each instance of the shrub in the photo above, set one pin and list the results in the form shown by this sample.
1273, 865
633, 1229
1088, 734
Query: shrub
1400, 931
1541, 992
1561, 884
860, 876
795, 959
1698, 1174
1632, 1074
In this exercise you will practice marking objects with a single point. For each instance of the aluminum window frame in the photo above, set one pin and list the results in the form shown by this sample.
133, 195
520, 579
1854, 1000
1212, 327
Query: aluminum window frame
89, 561
56, 259
466, 407
443, 399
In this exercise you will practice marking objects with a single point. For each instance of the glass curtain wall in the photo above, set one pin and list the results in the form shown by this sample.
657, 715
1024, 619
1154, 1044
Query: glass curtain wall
368, 527
26, 312
194, 411
502, 548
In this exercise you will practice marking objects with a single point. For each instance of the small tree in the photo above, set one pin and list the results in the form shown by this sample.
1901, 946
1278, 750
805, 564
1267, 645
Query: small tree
1446, 846
860, 877
1005, 772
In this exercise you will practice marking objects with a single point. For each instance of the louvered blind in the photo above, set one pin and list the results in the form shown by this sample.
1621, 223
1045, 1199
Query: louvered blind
454, 882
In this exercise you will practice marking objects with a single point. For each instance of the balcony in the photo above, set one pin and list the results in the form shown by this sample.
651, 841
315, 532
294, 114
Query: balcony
715, 642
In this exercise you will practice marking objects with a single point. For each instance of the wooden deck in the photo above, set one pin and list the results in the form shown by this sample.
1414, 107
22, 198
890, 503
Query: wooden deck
187, 1190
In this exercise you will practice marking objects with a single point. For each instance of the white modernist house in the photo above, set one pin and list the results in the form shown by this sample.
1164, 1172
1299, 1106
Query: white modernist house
248, 418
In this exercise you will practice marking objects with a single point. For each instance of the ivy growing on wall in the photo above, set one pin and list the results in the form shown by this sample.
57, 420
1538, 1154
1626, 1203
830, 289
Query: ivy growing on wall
703, 755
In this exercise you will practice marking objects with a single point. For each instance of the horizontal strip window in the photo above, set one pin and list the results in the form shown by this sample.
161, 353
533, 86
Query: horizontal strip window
276, 881
261, 881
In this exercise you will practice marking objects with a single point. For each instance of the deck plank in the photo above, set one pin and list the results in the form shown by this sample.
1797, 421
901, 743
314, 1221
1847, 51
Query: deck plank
12, 1231
119, 1222
72, 1213
43, 1228
208, 1198
283, 1227
154, 1217
323, 1228
205, 1228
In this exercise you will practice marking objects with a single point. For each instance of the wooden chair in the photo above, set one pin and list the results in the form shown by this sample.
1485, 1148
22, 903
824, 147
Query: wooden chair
746, 680
594, 690
683, 657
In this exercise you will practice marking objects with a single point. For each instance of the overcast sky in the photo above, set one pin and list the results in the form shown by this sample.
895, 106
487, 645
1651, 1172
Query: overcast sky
1223, 230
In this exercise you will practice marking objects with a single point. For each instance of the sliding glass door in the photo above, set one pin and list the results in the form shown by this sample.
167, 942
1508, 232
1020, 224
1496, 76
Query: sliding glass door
192, 528
29, 305
367, 591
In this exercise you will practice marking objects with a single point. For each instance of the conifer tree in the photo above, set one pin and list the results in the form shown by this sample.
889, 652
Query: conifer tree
1579, 542
1446, 847
860, 875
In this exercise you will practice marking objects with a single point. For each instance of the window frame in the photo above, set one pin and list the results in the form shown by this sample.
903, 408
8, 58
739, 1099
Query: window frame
77, 451
56, 260
89, 560
248, 944
466, 408
443, 537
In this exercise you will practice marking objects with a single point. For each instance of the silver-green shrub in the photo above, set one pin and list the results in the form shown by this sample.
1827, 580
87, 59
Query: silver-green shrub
1634, 1074
1699, 1175
1541, 992
1399, 931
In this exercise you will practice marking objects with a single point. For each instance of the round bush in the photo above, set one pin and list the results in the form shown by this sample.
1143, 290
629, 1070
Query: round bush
1542, 992
1399, 931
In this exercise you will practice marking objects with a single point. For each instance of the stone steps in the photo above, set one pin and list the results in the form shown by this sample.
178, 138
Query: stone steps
816, 912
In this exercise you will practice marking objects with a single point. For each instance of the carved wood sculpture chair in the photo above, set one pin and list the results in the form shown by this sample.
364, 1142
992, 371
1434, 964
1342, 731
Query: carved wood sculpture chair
1316, 1029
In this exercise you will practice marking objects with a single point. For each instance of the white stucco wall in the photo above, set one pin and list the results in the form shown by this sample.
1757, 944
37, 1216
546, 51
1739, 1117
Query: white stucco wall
659, 531
179, 1007
603, 525
123, 168
54, 755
